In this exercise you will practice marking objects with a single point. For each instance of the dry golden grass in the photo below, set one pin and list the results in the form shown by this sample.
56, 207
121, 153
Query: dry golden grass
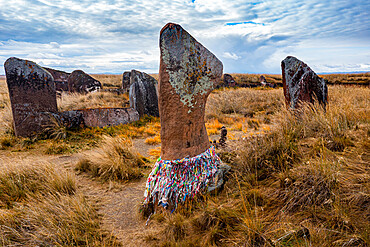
74, 101
116, 159
39, 206
109, 81
310, 170
153, 140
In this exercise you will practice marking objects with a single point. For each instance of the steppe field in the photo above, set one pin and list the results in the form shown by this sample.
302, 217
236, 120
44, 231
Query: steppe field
297, 179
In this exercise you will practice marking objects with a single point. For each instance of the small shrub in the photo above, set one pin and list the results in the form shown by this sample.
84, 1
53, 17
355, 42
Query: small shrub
58, 148
153, 140
116, 159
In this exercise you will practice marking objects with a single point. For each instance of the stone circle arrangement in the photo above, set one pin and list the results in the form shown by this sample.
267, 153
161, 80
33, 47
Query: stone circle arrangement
188, 73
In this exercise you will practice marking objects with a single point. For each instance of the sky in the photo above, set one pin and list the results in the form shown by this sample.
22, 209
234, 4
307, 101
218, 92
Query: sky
113, 36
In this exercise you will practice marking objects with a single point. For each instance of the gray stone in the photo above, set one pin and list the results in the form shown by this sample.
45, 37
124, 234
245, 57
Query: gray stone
126, 82
80, 82
301, 84
143, 94
32, 95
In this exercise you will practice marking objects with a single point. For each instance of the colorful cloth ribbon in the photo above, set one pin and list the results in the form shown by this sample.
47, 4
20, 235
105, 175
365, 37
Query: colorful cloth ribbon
173, 181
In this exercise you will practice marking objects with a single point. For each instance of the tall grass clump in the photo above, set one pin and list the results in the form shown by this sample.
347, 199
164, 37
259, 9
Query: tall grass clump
20, 182
39, 206
116, 159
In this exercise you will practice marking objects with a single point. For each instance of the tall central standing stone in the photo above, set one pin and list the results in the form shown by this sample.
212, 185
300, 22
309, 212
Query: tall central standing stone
188, 73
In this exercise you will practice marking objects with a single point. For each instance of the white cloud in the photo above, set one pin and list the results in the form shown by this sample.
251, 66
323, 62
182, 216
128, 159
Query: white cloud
231, 56
251, 36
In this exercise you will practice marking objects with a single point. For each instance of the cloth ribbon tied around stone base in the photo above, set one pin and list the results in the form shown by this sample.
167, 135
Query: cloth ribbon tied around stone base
173, 181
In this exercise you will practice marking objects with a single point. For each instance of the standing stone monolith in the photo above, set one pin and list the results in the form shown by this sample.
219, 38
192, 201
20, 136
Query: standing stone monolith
60, 79
188, 73
80, 82
143, 94
32, 95
126, 81
189, 164
301, 84
229, 81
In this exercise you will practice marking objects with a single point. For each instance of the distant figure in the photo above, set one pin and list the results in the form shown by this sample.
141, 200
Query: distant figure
263, 80
223, 137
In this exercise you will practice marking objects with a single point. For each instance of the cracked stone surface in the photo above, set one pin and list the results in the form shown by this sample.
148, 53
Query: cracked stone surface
188, 74
32, 95
302, 84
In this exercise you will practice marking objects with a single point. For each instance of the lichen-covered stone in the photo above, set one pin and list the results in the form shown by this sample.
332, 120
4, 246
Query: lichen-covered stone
188, 73
143, 94
80, 82
126, 80
32, 95
60, 79
301, 84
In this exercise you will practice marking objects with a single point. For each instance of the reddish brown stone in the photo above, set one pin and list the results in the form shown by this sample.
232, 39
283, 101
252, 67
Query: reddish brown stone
101, 117
80, 82
301, 84
188, 73
32, 95
60, 79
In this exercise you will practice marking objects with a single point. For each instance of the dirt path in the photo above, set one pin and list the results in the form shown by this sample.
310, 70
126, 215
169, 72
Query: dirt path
118, 203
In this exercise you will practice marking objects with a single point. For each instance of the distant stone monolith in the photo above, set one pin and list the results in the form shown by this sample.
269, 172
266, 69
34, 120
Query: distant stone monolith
188, 74
60, 79
80, 82
126, 81
143, 94
229, 81
32, 96
301, 84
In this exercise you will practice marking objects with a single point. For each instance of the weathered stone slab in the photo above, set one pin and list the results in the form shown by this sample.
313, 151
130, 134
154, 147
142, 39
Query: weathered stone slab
60, 79
80, 82
126, 80
188, 73
102, 117
301, 84
143, 94
229, 81
32, 95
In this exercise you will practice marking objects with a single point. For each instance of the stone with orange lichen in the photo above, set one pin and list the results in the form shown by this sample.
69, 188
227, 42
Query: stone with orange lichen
32, 95
188, 74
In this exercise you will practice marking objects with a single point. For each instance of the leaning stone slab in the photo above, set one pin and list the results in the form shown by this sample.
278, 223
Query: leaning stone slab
80, 82
60, 79
188, 74
189, 164
301, 84
32, 95
102, 117
143, 94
